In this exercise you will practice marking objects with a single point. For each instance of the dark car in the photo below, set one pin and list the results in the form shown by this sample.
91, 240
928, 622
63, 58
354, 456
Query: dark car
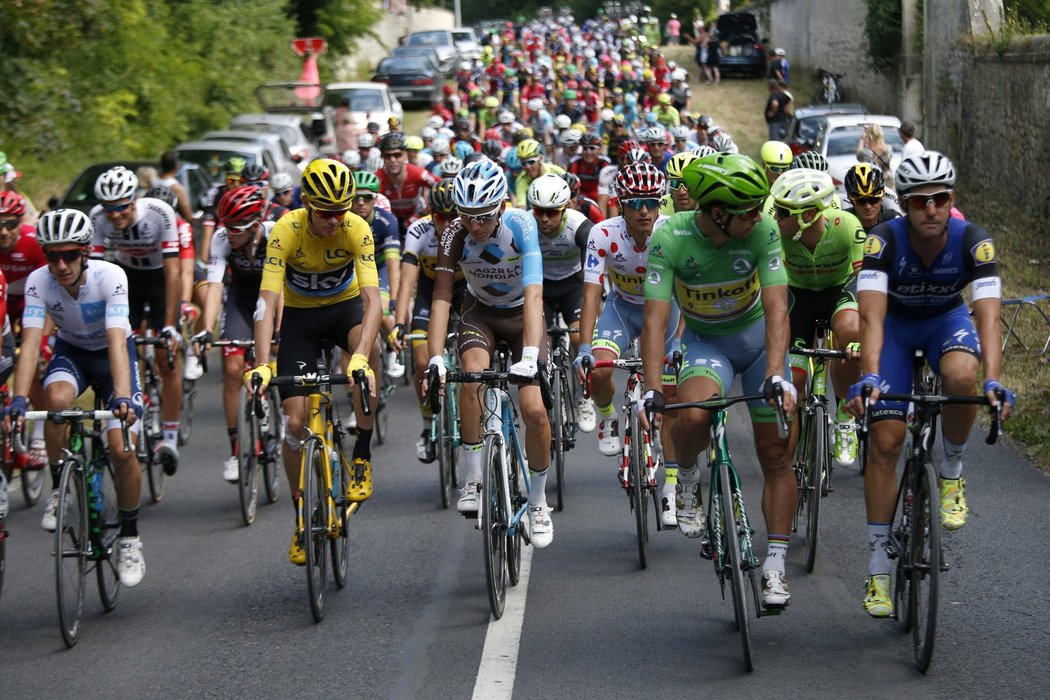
428, 52
741, 50
411, 79
801, 133
81, 194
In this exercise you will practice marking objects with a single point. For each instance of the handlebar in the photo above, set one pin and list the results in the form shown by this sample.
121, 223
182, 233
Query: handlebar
361, 379
994, 431
819, 352
159, 342
71, 415
433, 390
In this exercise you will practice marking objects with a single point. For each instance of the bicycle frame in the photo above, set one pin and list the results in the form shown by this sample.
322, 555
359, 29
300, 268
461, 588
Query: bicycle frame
718, 456
501, 422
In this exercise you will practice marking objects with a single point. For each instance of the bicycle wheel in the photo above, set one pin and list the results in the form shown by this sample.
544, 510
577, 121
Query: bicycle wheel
636, 489
315, 525
493, 526
451, 412
815, 472
381, 417
443, 457
32, 479
248, 440
186, 418
558, 434
901, 528
272, 440
152, 431
731, 531
925, 570
71, 550
340, 540
109, 521
515, 540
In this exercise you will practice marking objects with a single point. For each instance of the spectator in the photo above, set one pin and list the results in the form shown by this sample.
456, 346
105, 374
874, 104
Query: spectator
8, 175
168, 177
713, 61
778, 68
912, 145
673, 29
872, 148
778, 109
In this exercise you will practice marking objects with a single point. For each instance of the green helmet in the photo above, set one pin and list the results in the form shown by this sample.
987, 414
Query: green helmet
726, 178
366, 180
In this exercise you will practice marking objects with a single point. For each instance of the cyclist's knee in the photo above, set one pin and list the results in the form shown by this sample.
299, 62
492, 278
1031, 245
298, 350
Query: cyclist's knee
533, 412
772, 455
884, 443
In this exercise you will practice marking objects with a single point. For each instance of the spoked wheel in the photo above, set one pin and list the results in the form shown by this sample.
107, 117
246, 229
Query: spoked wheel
32, 486
558, 416
151, 436
735, 576
493, 527
901, 577
340, 539
189, 392
315, 526
815, 472
3, 553
272, 440
71, 550
106, 566
381, 417
444, 457
248, 441
636, 490
515, 540
925, 572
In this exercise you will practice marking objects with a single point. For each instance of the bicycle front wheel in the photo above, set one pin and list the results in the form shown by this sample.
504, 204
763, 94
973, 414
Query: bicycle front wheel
925, 570
109, 527
248, 441
515, 539
440, 435
272, 440
558, 416
731, 532
815, 472
636, 489
340, 540
315, 525
494, 520
189, 392
150, 436
71, 550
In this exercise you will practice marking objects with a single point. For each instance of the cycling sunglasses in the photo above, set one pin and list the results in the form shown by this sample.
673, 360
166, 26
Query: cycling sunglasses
324, 214
243, 228
66, 256
675, 182
528, 163
115, 208
11, 224
480, 218
751, 214
866, 201
778, 168
636, 203
546, 212
364, 197
921, 201
780, 212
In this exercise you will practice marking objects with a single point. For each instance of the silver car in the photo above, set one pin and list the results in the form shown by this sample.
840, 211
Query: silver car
839, 134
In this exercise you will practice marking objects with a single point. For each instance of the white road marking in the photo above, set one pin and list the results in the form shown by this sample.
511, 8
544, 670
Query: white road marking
499, 658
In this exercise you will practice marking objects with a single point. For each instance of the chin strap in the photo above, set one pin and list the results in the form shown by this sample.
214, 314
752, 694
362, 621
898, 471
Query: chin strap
804, 225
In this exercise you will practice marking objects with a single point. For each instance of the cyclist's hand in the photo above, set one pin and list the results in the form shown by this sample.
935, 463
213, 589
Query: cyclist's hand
360, 362
853, 351
526, 367
652, 404
188, 312
264, 372
204, 339
396, 337
1009, 398
583, 355
855, 398
789, 392
124, 409
172, 335
13, 414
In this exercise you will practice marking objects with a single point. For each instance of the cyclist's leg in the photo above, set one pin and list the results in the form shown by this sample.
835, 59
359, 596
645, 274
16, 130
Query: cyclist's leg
612, 336
125, 462
171, 390
299, 344
476, 344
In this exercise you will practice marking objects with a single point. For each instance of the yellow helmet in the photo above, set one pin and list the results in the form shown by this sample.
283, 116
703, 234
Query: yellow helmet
776, 154
679, 161
529, 148
327, 185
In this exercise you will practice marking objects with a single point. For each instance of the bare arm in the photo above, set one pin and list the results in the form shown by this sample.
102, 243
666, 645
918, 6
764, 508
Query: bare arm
212, 301
264, 325
172, 289
534, 329
409, 276
28, 356
592, 298
657, 313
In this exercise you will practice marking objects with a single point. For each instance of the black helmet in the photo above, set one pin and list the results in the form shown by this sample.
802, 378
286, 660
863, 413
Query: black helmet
493, 149
254, 172
394, 141
461, 123
573, 180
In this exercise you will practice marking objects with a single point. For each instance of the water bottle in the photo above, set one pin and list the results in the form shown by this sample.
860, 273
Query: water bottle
333, 455
96, 487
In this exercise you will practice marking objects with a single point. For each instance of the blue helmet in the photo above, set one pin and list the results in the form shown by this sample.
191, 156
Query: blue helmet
479, 185
462, 150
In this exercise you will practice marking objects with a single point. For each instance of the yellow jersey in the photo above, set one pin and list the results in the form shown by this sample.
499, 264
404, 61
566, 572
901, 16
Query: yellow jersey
314, 271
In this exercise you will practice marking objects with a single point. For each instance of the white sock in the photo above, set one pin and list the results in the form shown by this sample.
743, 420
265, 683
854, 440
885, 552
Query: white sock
879, 563
538, 492
951, 462
38, 430
472, 461
776, 554
171, 431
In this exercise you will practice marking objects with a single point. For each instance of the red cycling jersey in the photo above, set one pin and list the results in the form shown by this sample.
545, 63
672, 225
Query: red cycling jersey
16, 266
407, 202
186, 248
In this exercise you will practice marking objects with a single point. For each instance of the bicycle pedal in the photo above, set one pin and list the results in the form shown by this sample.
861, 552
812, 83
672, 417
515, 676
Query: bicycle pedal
470, 515
772, 611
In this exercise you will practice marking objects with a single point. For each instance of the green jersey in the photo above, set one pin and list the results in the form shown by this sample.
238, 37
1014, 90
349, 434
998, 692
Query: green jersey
719, 289
836, 257
522, 184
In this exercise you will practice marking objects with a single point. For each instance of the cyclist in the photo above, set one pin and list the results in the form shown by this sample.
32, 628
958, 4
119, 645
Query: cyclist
417, 274
283, 190
910, 288
589, 165
404, 184
866, 191
823, 248
387, 245
88, 303
655, 140
585, 205
499, 253
563, 240
530, 153
145, 233
776, 157
677, 199
723, 265
240, 244
323, 260
618, 249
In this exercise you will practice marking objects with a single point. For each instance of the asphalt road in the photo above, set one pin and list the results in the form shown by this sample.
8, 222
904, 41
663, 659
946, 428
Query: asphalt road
221, 612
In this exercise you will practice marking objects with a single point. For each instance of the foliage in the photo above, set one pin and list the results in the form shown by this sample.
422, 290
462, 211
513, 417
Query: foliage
1035, 13
342, 22
882, 28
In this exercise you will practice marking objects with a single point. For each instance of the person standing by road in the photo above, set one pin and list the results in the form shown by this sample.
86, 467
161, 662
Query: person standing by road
673, 29
912, 145
778, 108
778, 67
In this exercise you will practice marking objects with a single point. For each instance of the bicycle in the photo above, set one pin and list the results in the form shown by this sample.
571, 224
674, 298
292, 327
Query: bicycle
914, 540
32, 479
813, 461
87, 519
152, 431
187, 318
444, 434
502, 502
727, 533
638, 464
830, 91
563, 412
260, 432
322, 510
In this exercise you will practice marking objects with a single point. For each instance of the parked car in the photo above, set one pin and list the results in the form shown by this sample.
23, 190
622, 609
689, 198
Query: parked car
440, 39
742, 51
839, 135
279, 150
801, 132
213, 156
412, 79
81, 193
428, 52
368, 102
466, 43
289, 127
305, 101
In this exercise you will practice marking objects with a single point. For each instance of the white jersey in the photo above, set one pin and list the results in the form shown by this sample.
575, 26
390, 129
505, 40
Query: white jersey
610, 250
421, 245
222, 254
605, 179
563, 252
143, 245
101, 304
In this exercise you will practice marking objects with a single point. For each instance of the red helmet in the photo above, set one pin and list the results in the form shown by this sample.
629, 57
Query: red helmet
12, 204
636, 155
640, 180
241, 206
626, 147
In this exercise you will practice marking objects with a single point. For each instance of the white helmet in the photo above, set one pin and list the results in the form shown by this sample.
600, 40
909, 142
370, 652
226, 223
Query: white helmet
679, 132
926, 168
373, 163
435, 122
440, 146
480, 184
116, 183
549, 192
282, 182
723, 143
366, 140
450, 166
704, 151
351, 159
535, 104
607, 115
654, 134
562, 121
505, 116
428, 132
65, 226
804, 189
569, 137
